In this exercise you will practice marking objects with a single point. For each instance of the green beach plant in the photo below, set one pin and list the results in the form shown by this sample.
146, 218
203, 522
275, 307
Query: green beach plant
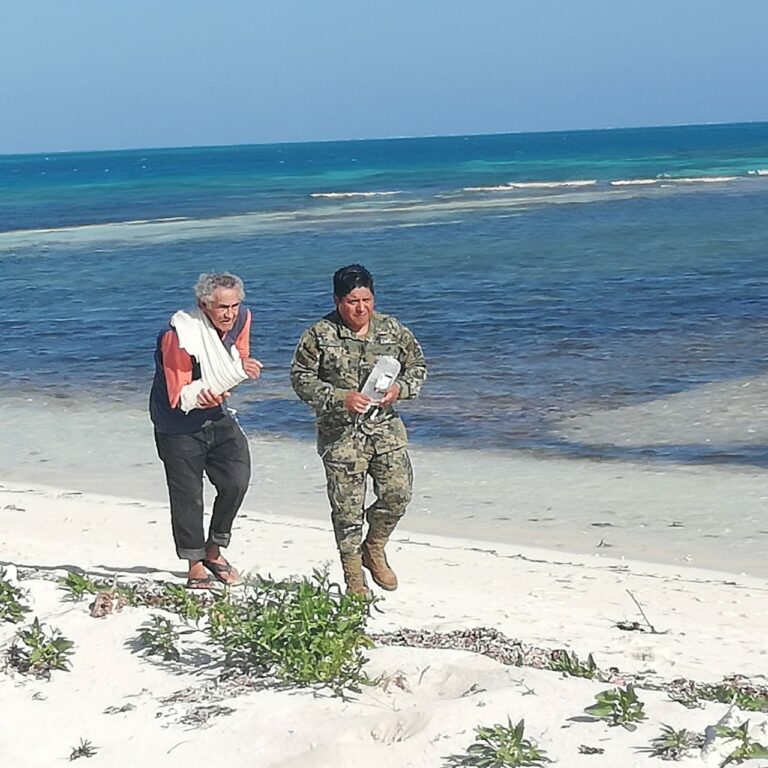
500, 746
673, 744
618, 706
744, 698
745, 749
304, 632
158, 637
129, 594
77, 585
38, 651
12, 610
570, 664
83, 749
178, 600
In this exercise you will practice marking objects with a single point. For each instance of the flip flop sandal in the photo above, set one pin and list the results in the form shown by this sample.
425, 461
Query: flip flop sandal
219, 570
204, 583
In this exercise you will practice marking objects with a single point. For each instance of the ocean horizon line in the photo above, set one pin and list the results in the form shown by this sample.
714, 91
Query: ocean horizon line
392, 138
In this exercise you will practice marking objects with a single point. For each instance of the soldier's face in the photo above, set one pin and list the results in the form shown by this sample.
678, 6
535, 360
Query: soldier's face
356, 308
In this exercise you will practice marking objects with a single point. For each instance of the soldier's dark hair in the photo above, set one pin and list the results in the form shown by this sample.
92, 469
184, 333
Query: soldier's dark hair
348, 278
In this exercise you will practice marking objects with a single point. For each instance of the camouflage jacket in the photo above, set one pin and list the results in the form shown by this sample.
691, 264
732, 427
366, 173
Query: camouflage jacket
330, 360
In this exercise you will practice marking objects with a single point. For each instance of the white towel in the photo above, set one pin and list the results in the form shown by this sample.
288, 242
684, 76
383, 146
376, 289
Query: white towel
220, 370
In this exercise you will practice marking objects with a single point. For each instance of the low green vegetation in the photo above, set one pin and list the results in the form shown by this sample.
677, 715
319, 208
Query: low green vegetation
570, 664
499, 746
158, 637
618, 706
673, 744
11, 608
745, 699
178, 600
78, 585
745, 748
83, 749
305, 633
38, 650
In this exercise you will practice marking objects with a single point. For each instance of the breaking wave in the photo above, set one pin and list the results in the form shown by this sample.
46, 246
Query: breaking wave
348, 195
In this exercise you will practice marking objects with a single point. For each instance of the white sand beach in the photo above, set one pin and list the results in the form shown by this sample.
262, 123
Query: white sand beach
530, 571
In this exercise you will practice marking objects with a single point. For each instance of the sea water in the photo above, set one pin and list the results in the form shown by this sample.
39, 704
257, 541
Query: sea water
550, 277
580, 296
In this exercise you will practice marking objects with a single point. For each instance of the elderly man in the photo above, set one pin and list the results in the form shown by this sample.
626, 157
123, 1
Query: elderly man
198, 358
356, 436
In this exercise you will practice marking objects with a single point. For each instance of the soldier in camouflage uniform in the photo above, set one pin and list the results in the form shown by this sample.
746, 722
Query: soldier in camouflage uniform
332, 361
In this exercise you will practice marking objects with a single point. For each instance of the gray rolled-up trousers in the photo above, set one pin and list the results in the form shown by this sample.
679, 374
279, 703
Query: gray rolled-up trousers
220, 451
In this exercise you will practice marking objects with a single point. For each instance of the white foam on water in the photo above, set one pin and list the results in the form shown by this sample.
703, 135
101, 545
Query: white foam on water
512, 185
553, 184
700, 179
633, 182
497, 188
386, 213
346, 195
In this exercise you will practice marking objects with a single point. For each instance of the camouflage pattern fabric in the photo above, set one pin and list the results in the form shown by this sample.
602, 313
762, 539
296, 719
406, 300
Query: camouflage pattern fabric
345, 473
330, 360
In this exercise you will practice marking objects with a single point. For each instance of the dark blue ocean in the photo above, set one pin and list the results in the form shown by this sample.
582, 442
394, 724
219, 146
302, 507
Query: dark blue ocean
545, 274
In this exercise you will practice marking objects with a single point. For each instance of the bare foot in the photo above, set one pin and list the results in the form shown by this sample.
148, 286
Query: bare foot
217, 564
197, 576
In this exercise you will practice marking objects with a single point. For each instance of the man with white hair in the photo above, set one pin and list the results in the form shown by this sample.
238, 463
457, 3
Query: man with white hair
199, 357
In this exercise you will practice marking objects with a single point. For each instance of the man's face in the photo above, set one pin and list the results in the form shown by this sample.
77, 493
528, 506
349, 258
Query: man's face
356, 308
222, 308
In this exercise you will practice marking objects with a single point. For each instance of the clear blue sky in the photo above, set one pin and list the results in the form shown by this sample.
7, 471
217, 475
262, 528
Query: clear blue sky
97, 74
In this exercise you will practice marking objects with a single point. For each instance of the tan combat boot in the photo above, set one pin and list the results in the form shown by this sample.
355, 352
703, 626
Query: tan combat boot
354, 578
375, 560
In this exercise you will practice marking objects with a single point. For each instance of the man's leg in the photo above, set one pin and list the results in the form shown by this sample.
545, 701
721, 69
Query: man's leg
183, 457
392, 475
345, 483
228, 467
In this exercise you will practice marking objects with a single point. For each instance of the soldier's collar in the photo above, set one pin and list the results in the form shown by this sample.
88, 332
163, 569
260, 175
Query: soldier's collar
348, 333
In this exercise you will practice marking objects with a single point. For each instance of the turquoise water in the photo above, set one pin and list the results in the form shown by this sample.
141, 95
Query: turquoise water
545, 274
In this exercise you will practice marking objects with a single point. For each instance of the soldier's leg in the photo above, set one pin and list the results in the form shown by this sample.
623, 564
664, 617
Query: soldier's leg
392, 475
345, 483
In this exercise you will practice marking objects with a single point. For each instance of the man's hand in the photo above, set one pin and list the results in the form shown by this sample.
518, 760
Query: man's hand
391, 396
252, 368
356, 402
206, 399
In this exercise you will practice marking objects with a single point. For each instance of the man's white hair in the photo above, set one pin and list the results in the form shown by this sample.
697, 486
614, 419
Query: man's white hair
209, 282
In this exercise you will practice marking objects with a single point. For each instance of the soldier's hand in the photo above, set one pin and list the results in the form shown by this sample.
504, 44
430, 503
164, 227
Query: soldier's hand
391, 396
356, 402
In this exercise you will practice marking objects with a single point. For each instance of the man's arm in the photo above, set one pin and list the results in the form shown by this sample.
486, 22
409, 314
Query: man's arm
177, 367
251, 367
243, 340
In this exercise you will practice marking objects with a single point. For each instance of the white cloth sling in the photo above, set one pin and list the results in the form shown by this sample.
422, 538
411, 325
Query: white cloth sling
220, 370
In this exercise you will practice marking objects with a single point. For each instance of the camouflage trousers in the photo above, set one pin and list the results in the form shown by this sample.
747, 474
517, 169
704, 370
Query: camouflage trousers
346, 470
